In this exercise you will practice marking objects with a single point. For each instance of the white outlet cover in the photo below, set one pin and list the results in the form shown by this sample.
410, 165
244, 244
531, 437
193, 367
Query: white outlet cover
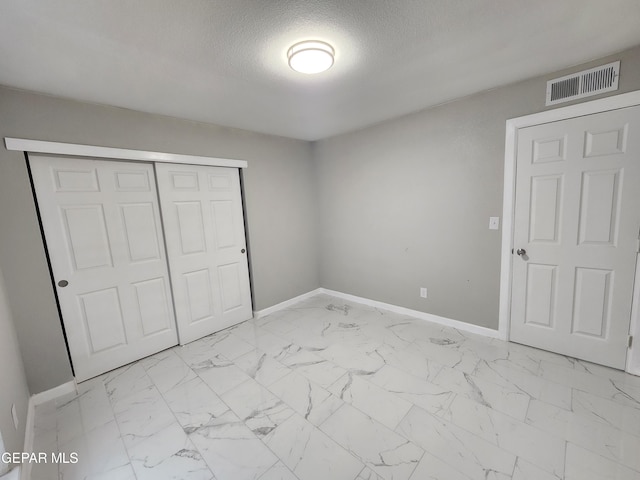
494, 223
423, 292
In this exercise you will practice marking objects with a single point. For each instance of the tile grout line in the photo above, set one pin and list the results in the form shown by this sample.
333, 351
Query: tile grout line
229, 409
104, 386
173, 413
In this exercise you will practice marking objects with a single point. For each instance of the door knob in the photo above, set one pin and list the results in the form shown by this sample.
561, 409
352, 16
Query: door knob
242, 251
63, 283
521, 251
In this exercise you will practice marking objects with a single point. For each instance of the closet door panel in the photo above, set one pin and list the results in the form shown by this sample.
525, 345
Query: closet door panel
103, 233
204, 231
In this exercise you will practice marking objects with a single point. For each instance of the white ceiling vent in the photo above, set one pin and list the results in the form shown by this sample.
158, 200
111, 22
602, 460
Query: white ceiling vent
583, 84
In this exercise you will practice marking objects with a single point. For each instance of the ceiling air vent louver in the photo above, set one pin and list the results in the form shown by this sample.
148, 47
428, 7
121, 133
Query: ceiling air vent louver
583, 84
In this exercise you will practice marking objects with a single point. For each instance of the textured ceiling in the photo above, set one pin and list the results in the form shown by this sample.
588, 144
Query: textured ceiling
224, 61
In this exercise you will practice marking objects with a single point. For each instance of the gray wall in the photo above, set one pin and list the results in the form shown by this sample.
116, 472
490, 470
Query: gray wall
13, 380
376, 213
280, 204
406, 203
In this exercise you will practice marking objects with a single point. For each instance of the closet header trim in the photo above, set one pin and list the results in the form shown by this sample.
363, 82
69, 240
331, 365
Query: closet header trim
39, 146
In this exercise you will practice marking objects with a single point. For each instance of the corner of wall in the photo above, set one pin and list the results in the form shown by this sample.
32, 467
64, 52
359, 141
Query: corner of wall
13, 380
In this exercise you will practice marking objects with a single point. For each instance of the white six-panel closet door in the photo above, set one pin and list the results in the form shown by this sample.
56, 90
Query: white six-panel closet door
205, 237
104, 237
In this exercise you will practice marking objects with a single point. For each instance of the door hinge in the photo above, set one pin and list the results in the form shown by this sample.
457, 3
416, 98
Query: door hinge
630, 341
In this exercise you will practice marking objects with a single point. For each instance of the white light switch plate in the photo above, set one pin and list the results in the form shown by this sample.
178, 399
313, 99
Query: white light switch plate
494, 223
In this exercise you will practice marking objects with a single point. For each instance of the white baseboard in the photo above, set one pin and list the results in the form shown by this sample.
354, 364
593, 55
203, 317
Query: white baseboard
25, 474
287, 303
448, 322
34, 401
60, 390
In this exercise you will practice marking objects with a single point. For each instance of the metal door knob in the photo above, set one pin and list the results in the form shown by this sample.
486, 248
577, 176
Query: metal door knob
63, 283
521, 251
242, 251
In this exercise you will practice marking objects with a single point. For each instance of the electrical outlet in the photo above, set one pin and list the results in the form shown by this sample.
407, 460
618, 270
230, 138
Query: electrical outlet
423, 292
14, 414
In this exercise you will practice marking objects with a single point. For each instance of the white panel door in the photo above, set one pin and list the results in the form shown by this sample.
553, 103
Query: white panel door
204, 229
104, 236
577, 220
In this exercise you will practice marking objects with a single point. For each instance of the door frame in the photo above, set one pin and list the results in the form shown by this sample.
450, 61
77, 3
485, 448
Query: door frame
508, 207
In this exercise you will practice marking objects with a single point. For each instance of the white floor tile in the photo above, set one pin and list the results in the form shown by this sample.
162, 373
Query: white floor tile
355, 362
142, 415
309, 453
199, 355
368, 474
222, 378
385, 452
167, 370
124, 472
311, 401
513, 378
380, 404
408, 360
194, 404
585, 465
597, 437
260, 410
232, 450
432, 468
419, 392
323, 373
228, 345
466, 452
528, 471
607, 411
262, 367
168, 454
99, 452
126, 381
329, 389
510, 400
279, 472
524, 441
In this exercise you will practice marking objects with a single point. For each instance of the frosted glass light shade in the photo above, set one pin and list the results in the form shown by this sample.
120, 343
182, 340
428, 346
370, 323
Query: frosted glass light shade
311, 56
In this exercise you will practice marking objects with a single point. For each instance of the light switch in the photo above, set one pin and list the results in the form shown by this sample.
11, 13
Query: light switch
494, 223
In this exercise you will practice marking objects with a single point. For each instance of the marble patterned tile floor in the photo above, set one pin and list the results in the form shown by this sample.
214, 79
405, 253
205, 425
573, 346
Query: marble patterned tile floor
330, 390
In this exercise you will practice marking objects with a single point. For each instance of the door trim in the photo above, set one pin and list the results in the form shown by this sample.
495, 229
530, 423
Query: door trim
510, 150
77, 150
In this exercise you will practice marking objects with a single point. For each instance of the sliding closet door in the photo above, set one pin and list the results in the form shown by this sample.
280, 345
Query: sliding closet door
104, 236
204, 230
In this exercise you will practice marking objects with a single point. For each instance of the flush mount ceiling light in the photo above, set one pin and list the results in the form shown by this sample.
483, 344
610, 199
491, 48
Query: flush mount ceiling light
311, 56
